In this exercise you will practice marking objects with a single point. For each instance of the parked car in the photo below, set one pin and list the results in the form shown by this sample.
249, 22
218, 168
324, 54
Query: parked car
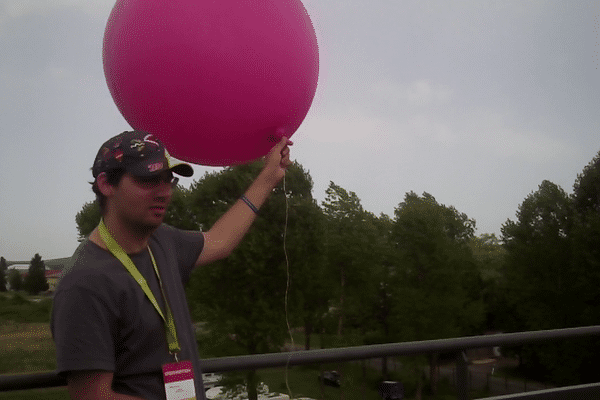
330, 378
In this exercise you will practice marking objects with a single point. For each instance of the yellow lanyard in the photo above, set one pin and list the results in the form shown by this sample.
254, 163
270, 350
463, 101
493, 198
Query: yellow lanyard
117, 251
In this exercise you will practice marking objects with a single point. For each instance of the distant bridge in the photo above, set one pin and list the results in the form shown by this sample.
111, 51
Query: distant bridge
9, 263
53, 264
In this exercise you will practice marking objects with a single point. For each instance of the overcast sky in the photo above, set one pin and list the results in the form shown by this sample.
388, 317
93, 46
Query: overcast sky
475, 102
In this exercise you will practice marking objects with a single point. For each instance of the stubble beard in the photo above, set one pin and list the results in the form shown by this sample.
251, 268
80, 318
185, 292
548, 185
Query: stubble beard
142, 228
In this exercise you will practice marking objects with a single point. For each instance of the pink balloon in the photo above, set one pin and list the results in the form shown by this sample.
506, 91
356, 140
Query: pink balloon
216, 80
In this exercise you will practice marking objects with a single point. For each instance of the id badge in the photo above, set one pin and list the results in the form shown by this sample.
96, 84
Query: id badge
179, 381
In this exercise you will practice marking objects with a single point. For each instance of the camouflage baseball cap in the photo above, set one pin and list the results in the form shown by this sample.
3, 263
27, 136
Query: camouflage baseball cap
140, 154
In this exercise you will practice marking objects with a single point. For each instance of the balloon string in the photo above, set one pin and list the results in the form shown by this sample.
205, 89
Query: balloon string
287, 288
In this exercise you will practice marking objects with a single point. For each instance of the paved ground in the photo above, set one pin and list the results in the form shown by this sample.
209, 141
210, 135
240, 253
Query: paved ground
482, 374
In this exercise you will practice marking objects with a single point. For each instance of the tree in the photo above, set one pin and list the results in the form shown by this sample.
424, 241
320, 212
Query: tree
3, 268
585, 276
436, 283
15, 280
180, 212
550, 280
87, 219
354, 269
437, 268
36, 281
585, 234
353, 262
488, 251
586, 190
489, 255
538, 258
309, 292
384, 256
242, 298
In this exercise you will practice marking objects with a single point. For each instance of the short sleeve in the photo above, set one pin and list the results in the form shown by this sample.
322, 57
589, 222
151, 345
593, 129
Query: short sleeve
82, 326
188, 246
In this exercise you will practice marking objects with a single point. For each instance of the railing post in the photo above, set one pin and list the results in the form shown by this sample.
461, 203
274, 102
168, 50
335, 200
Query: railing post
462, 376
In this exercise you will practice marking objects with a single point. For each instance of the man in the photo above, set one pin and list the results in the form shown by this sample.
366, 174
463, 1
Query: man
120, 313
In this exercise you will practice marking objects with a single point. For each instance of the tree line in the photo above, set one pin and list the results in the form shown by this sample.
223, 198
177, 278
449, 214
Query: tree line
337, 270
34, 282
551, 275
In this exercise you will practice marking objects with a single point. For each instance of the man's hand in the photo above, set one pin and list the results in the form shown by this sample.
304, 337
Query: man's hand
276, 162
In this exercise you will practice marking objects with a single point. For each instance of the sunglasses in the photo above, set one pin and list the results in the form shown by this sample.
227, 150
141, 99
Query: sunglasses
157, 180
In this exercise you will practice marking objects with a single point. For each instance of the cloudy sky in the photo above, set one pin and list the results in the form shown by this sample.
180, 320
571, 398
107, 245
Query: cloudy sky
475, 102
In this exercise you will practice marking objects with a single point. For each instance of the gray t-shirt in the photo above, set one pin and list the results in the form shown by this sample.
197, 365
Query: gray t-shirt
102, 320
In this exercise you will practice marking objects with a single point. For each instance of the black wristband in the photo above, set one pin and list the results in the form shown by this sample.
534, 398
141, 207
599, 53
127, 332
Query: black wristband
249, 203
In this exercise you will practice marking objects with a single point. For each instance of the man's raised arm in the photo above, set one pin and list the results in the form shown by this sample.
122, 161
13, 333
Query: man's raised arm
228, 231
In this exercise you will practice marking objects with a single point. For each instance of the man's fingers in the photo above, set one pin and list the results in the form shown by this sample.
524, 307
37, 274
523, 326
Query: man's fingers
284, 142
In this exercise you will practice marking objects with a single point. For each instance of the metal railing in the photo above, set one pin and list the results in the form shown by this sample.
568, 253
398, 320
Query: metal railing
456, 345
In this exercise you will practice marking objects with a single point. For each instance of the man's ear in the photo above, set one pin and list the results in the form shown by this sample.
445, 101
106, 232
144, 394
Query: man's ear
105, 188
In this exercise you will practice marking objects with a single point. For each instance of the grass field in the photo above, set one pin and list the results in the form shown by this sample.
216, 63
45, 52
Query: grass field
28, 348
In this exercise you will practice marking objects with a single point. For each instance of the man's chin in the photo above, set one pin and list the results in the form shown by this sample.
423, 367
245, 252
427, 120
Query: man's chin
154, 223
148, 226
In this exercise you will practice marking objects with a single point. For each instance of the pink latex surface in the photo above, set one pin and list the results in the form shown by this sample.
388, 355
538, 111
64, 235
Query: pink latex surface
216, 80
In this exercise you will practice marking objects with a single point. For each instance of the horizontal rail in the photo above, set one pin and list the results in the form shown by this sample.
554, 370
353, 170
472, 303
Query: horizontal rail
589, 391
223, 364
31, 381
258, 361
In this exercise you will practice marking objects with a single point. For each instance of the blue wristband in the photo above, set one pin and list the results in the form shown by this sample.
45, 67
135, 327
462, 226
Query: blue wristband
249, 203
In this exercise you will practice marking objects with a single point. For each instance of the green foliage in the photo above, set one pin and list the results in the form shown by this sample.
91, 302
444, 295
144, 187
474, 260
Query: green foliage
552, 274
87, 219
541, 283
421, 275
3, 269
585, 235
437, 286
437, 289
244, 295
218, 342
586, 190
36, 281
18, 299
309, 292
354, 258
180, 211
15, 280
489, 254
538, 263
18, 309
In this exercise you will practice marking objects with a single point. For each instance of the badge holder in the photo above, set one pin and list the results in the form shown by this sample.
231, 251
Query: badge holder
179, 380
